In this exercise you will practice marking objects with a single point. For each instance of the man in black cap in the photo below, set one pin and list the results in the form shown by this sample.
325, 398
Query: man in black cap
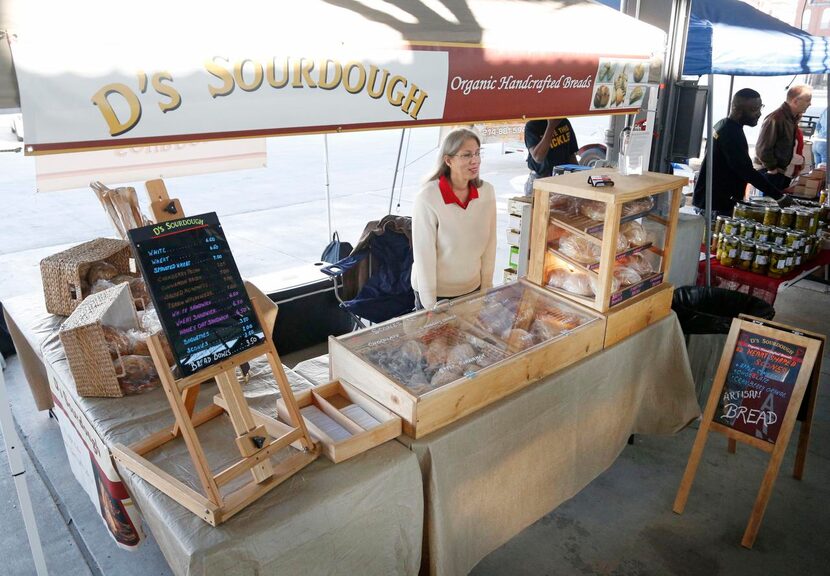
732, 167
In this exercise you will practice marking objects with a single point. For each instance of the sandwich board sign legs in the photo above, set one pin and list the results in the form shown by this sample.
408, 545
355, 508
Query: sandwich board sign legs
764, 372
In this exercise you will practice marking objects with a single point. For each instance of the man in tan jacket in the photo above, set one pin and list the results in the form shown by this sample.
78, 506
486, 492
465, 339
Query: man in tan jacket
776, 143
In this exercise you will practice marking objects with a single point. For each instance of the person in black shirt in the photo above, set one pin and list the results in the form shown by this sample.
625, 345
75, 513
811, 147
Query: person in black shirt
732, 167
549, 143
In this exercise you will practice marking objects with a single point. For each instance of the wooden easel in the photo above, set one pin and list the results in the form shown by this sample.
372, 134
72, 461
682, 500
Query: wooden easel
163, 207
808, 378
256, 444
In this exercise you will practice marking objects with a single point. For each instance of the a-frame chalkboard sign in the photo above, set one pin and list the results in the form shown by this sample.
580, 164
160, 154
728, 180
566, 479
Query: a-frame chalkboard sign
214, 323
764, 372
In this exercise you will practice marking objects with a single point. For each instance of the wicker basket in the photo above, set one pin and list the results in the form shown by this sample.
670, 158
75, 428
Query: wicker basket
64, 273
84, 343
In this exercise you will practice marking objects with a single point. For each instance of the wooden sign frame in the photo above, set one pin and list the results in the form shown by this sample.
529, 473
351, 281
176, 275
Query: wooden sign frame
808, 377
163, 207
256, 444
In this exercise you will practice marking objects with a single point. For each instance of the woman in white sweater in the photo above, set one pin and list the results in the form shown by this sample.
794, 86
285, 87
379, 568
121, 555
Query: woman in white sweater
454, 225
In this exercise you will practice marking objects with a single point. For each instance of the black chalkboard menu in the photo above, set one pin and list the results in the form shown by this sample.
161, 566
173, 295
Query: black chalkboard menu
759, 385
197, 290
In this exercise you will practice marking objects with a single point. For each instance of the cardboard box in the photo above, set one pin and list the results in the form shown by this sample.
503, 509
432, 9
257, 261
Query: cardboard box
515, 204
513, 259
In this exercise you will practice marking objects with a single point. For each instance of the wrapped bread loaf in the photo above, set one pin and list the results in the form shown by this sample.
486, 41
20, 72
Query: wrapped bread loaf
592, 209
579, 249
573, 282
594, 283
626, 276
563, 206
634, 233
637, 206
139, 374
640, 264
518, 339
118, 343
100, 271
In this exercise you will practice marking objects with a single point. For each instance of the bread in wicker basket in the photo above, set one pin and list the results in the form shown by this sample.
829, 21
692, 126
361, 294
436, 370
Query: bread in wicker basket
64, 274
85, 345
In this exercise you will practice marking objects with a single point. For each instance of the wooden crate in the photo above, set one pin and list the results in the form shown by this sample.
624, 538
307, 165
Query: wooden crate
502, 360
544, 254
334, 425
64, 274
82, 336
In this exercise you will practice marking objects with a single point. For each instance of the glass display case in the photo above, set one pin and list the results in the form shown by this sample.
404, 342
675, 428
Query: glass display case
432, 368
602, 246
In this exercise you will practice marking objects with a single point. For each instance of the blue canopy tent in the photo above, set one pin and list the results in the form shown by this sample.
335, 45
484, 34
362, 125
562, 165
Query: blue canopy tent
731, 37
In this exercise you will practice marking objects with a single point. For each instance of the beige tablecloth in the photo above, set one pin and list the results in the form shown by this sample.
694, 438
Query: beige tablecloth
492, 474
37, 325
363, 516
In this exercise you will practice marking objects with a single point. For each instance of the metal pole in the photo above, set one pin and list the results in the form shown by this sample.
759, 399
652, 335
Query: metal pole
326, 170
395, 177
710, 144
403, 170
18, 471
729, 100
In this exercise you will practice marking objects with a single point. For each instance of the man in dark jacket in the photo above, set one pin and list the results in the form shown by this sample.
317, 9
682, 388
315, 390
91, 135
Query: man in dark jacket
776, 142
732, 168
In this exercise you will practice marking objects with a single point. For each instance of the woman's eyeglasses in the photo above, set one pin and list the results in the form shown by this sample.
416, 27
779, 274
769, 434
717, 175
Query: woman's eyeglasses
468, 156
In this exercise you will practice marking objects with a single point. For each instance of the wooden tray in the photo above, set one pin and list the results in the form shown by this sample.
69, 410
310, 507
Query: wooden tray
342, 433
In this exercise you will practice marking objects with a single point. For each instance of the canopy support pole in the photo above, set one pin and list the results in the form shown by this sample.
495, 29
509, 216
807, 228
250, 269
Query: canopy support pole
710, 108
395, 177
729, 100
328, 187
18, 472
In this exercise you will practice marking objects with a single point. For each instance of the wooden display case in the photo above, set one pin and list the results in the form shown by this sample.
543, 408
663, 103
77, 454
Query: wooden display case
343, 419
626, 233
432, 368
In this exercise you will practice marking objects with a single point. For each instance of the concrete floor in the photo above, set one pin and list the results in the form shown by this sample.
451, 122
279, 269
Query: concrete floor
621, 524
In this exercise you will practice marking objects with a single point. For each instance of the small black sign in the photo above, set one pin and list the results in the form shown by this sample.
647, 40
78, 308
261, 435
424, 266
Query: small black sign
197, 290
759, 385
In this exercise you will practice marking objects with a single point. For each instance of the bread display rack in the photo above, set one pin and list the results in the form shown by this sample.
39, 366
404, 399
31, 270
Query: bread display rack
434, 367
609, 247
